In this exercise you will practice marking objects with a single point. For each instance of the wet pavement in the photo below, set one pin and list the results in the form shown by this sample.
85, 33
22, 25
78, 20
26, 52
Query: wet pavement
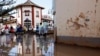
32, 45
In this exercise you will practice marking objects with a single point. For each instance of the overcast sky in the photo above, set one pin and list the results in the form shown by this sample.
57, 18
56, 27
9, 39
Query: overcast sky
47, 4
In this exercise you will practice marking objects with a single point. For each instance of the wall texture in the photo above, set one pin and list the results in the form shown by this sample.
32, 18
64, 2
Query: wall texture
78, 22
18, 15
78, 18
37, 20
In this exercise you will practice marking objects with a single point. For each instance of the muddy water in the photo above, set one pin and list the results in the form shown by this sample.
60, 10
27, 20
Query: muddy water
36, 46
60, 49
68, 50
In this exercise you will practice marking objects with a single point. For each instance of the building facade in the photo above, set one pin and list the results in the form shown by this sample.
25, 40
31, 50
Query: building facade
29, 14
77, 21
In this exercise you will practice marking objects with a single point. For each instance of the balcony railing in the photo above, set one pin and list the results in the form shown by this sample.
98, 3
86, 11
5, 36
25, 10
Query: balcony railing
9, 21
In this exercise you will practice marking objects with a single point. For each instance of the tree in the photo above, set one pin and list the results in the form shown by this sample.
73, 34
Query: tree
4, 3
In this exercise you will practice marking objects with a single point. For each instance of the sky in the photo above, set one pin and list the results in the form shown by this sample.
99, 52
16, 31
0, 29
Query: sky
47, 4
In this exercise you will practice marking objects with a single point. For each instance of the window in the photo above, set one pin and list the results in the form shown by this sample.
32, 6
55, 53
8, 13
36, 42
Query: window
37, 13
27, 12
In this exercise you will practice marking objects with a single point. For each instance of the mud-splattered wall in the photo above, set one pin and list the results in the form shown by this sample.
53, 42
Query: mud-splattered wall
78, 18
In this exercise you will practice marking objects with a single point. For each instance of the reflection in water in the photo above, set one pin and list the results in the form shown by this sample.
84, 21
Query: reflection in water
6, 45
30, 44
13, 51
47, 46
28, 40
39, 47
17, 48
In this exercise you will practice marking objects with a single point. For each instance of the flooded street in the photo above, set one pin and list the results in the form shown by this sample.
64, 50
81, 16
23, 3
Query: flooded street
70, 50
32, 45
27, 45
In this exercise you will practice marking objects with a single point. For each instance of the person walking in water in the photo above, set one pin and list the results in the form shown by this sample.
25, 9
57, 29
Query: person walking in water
45, 28
11, 29
19, 29
6, 29
37, 29
41, 29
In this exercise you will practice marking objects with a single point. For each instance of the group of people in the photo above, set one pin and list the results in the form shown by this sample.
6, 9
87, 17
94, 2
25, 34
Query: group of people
8, 29
11, 29
42, 29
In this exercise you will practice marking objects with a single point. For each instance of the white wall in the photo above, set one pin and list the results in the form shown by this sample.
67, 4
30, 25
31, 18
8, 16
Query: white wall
37, 19
36, 44
18, 15
69, 22
23, 14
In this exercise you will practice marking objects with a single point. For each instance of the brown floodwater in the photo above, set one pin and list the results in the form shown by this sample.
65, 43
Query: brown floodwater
39, 46
71, 50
